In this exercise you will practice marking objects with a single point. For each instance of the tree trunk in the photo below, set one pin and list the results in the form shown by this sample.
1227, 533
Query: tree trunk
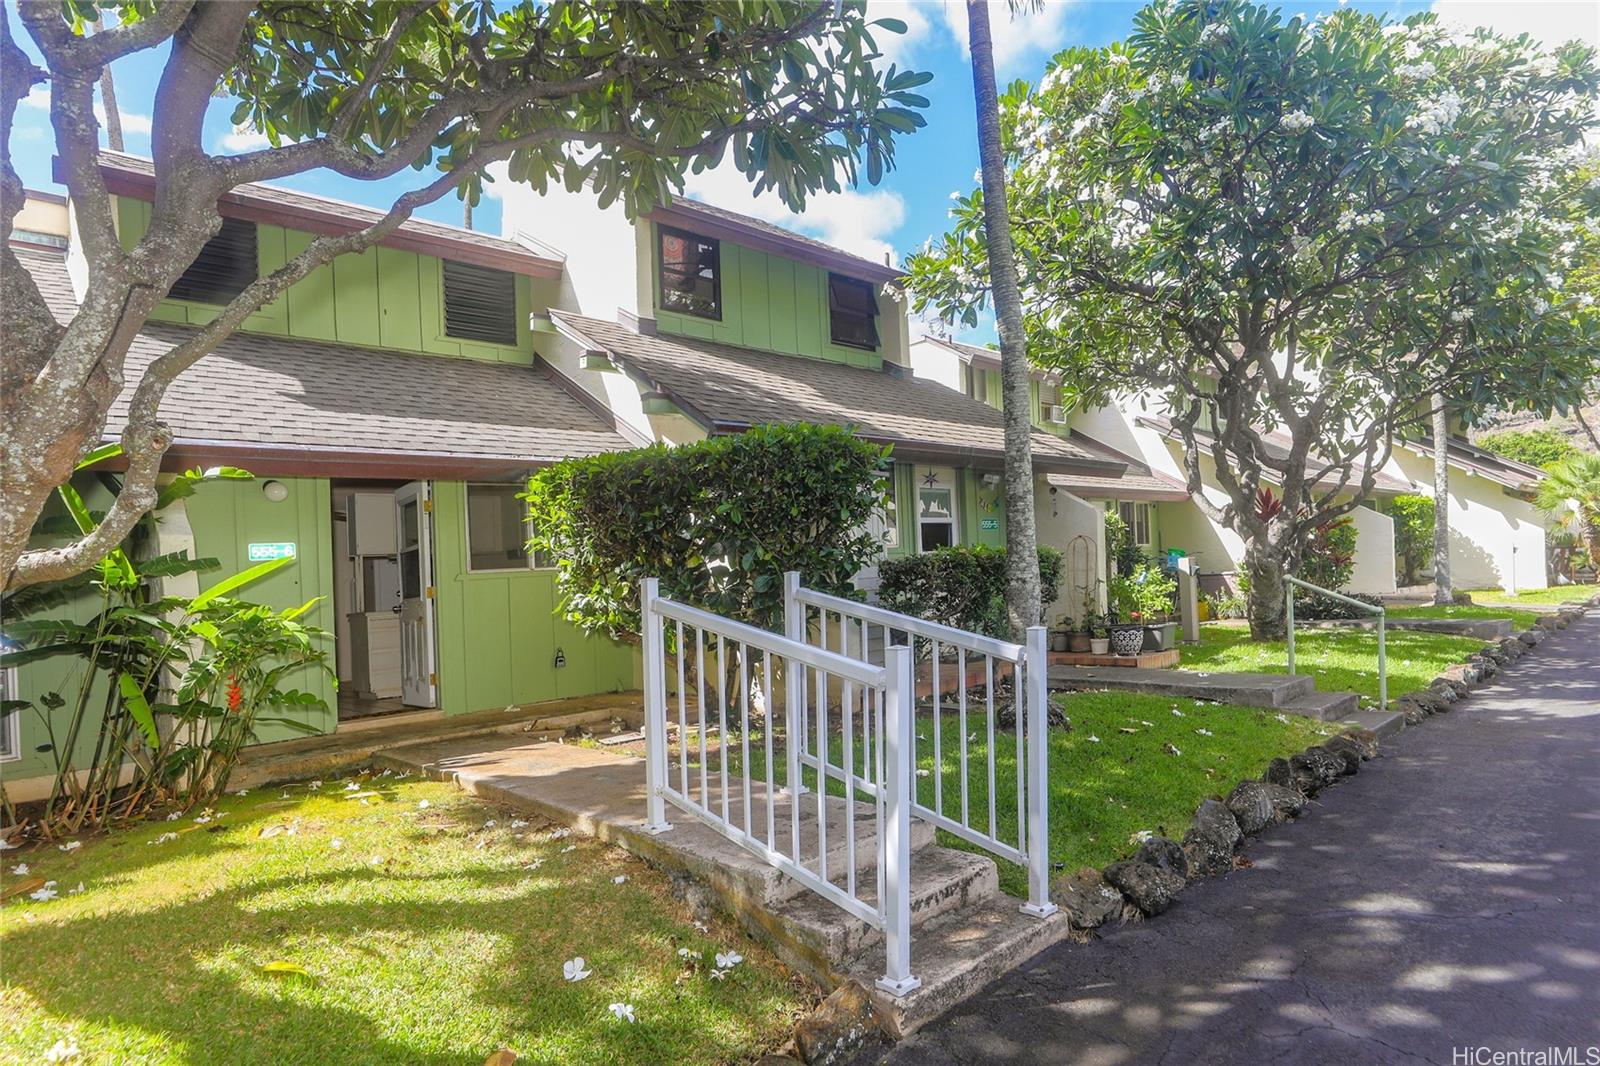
1022, 554
108, 97
1265, 565
1442, 593
1588, 430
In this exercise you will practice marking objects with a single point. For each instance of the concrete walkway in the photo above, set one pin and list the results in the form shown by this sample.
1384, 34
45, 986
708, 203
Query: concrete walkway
1448, 897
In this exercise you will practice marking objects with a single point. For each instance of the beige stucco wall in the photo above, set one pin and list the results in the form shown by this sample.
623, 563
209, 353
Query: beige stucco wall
1497, 540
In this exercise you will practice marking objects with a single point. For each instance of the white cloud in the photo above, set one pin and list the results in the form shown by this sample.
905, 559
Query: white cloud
1552, 22
245, 139
132, 122
902, 48
1031, 35
858, 222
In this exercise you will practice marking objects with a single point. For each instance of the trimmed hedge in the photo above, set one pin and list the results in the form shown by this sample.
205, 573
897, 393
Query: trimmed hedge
718, 521
963, 587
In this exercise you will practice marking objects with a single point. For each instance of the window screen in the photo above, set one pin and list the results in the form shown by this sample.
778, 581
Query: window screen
10, 724
691, 274
852, 312
480, 303
497, 535
226, 264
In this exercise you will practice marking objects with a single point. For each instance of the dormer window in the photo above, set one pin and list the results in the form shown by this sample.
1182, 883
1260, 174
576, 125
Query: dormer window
480, 303
226, 264
691, 274
852, 312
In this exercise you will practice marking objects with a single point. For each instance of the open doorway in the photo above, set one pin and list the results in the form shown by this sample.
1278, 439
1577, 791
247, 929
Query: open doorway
383, 597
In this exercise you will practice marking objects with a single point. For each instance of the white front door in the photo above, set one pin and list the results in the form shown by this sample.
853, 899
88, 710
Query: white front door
413, 514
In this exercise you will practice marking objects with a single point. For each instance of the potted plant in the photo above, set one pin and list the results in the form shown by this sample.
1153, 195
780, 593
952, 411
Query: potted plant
1061, 635
1153, 590
1125, 628
1099, 634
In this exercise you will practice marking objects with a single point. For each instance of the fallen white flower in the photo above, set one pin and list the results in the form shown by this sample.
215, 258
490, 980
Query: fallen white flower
165, 838
569, 847
336, 843
490, 824
518, 823
62, 1051
71, 845
314, 785
1203, 732
729, 960
43, 895
1091, 738
20, 870
1177, 712
619, 879
75, 891
719, 975
375, 860
242, 792
623, 1012
922, 773
684, 953
558, 834
175, 815
353, 786
423, 805
574, 970
534, 865
702, 927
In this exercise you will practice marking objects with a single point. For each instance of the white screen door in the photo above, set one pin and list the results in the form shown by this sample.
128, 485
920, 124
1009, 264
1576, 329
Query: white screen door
413, 524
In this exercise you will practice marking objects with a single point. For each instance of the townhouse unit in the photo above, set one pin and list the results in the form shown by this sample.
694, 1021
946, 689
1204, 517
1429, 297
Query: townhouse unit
392, 404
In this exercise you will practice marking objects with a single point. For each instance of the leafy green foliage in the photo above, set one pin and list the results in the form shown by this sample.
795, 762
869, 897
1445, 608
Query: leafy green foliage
1413, 533
1571, 493
1536, 447
1330, 556
963, 586
1121, 547
1146, 594
718, 522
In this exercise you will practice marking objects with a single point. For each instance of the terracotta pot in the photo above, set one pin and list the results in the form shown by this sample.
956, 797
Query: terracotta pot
1078, 642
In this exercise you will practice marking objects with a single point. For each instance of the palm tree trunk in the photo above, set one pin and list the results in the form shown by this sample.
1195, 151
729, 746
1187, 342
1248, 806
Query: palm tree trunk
1442, 593
1022, 553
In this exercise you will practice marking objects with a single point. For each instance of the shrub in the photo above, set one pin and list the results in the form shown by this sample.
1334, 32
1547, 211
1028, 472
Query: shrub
1330, 554
1145, 595
963, 587
1413, 533
1536, 447
717, 521
1313, 607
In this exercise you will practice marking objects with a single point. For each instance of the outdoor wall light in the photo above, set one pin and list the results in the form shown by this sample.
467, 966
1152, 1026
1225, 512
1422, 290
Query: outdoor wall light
276, 491
991, 480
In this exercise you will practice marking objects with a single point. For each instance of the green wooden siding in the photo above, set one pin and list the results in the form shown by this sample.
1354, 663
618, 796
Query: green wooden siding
768, 302
382, 298
498, 632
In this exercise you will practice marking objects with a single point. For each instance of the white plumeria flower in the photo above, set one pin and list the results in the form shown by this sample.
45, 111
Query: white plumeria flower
6, 845
1282, 718
1177, 712
684, 953
376, 860
558, 834
314, 786
20, 870
336, 843
623, 1012
165, 838
242, 792
518, 823
569, 847
534, 865
75, 891
62, 1051
701, 927
922, 773
353, 786
729, 960
202, 819
423, 805
1091, 738
1203, 732
71, 845
490, 824
574, 970
719, 975
43, 895
619, 879
175, 815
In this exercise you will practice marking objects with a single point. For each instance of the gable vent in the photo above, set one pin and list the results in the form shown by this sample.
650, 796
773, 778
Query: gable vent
480, 303
226, 264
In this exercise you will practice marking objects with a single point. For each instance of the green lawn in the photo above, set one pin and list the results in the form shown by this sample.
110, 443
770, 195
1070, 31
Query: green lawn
1341, 659
423, 932
1550, 596
1520, 619
1111, 776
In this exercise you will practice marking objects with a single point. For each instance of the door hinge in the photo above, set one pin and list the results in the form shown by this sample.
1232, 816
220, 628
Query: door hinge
427, 506
433, 679
430, 592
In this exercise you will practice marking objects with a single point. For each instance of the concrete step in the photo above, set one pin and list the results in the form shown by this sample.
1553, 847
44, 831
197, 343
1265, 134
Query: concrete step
956, 955
943, 880
1248, 690
1384, 723
1325, 706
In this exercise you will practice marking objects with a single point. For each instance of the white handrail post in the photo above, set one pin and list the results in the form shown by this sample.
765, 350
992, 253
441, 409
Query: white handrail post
1383, 667
1036, 675
895, 832
794, 627
1288, 613
655, 708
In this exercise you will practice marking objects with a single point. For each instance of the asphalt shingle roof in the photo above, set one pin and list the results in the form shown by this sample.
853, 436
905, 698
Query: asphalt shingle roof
1139, 482
262, 390
1277, 448
729, 388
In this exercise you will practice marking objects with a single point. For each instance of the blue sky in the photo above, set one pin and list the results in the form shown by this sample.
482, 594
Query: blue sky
911, 203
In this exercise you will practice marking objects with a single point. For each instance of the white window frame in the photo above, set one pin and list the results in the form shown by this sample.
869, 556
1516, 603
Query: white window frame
11, 724
466, 522
1138, 511
955, 511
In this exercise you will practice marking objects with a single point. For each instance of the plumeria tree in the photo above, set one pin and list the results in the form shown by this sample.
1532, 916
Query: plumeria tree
624, 96
1292, 233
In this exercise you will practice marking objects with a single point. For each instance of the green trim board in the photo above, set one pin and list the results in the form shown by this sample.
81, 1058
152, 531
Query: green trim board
380, 298
769, 303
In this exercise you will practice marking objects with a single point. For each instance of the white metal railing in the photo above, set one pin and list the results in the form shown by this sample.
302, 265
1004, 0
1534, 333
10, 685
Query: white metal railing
1291, 582
870, 633
745, 661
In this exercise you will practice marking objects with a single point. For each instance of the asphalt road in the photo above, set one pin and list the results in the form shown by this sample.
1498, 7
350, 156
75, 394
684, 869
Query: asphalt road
1446, 899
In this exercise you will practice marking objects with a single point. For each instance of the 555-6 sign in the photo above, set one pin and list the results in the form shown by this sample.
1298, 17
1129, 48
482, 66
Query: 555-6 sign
266, 551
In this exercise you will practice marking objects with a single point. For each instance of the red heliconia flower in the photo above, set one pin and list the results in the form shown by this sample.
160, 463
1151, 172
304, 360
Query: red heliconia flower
235, 693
